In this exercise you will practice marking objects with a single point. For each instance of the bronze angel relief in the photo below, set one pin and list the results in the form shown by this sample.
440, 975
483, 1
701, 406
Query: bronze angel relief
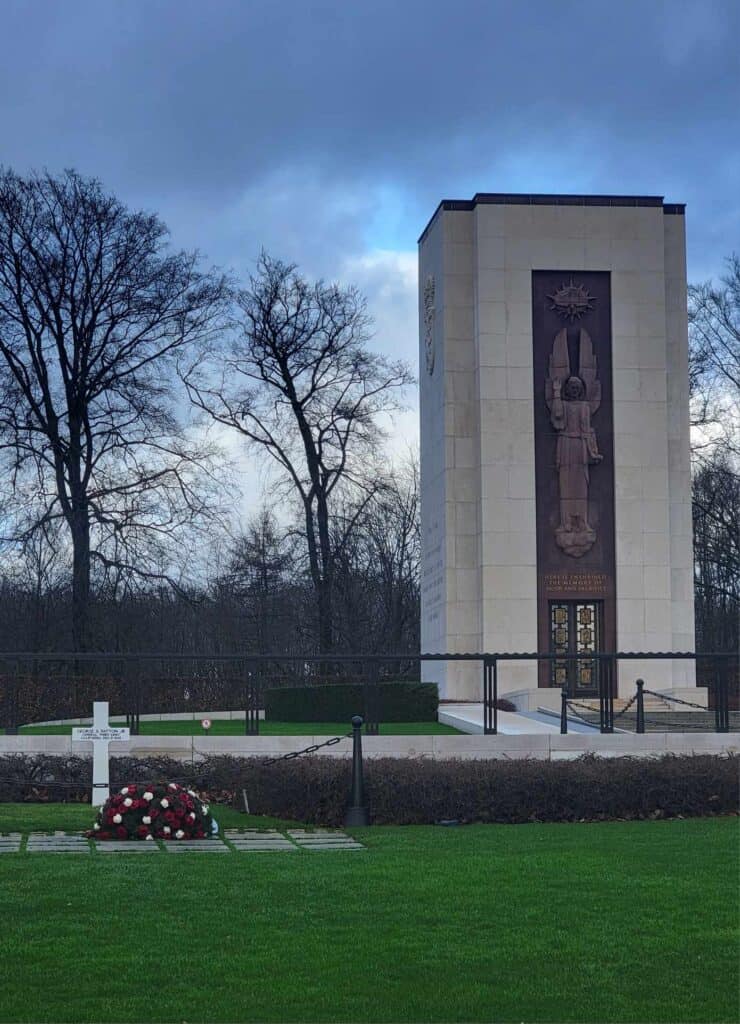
572, 401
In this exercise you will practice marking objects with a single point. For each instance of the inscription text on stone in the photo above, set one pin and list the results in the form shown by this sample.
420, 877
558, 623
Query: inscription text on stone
577, 582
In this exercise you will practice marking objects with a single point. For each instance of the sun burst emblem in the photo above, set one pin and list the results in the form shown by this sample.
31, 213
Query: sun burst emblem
571, 301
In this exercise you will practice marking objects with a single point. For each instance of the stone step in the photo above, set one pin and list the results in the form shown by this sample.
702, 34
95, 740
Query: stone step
649, 703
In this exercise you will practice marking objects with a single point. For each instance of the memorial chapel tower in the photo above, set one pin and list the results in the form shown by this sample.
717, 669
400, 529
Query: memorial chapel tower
555, 476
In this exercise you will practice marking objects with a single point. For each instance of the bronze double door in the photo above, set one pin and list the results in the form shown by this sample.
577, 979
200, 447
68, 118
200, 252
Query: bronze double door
576, 627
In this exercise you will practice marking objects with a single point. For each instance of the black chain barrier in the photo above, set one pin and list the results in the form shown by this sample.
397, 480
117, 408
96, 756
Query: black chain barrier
595, 711
307, 750
628, 705
191, 780
572, 704
676, 700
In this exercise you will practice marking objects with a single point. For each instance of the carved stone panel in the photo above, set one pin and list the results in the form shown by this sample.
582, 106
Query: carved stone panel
574, 459
429, 316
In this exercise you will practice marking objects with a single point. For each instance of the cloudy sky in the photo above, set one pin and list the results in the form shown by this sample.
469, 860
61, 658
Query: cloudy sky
328, 130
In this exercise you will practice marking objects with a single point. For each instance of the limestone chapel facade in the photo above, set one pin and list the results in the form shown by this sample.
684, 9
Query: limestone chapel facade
555, 476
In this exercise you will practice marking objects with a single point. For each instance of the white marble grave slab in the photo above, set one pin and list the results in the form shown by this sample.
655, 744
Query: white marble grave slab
10, 843
60, 842
126, 846
232, 833
258, 840
242, 846
324, 840
337, 845
195, 846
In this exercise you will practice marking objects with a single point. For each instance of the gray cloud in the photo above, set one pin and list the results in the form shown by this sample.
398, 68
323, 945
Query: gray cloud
327, 130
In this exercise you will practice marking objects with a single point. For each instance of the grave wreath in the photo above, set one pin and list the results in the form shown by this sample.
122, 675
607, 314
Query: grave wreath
149, 811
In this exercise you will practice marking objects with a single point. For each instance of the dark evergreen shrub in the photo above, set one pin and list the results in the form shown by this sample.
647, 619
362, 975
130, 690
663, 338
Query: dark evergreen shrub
415, 790
338, 702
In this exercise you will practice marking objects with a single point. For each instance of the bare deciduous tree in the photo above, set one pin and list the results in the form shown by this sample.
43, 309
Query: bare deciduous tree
394, 541
714, 324
300, 384
260, 571
716, 501
94, 309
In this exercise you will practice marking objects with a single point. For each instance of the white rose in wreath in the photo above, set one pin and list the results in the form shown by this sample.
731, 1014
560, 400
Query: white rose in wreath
148, 795
167, 830
179, 834
116, 819
164, 802
146, 820
127, 802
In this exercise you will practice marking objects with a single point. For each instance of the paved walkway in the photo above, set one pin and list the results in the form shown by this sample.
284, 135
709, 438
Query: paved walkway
250, 840
469, 718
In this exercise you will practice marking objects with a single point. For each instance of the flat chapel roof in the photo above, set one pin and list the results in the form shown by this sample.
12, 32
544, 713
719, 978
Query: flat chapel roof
554, 199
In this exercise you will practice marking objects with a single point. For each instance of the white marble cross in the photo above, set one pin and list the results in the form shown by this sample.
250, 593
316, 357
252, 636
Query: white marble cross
101, 734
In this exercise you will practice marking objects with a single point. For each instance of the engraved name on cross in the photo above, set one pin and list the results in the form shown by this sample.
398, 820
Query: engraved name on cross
100, 735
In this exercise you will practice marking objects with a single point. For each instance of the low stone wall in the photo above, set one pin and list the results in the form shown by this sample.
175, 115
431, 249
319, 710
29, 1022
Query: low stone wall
178, 716
543, 746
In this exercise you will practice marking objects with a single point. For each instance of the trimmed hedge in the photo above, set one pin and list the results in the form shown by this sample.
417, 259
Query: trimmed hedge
338, 702
405, 791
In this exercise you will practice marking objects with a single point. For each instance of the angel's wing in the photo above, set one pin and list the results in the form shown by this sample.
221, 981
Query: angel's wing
559, 364
587, 371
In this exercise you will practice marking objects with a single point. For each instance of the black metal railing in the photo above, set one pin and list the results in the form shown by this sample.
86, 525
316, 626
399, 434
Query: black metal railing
41, 687
717, 683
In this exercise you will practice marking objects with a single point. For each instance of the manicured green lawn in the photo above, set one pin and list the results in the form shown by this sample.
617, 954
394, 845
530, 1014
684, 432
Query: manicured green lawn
227, 727
596, 922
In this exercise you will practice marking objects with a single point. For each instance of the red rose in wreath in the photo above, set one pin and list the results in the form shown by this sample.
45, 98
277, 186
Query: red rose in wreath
137, 812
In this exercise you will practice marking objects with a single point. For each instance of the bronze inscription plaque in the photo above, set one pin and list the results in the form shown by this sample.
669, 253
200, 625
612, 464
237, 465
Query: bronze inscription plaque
574, 459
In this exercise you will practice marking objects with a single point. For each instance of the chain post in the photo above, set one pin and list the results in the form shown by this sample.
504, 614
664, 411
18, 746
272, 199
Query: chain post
126, 688
640, 723
564, 711
606, 695
494, 688
372, 699
357, 810
249, 729
11, 728
722, 711
490, 696
252, 703
136, 668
